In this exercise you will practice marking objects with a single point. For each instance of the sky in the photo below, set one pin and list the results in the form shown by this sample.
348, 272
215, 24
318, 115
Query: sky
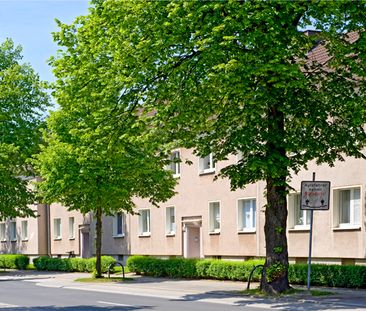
30, 23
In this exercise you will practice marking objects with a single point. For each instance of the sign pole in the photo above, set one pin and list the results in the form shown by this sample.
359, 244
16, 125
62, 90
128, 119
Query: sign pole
310, 241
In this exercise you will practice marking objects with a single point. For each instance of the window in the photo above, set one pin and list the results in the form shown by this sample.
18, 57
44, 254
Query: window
118, 222
2, 232
174, 165
24, 230
71, 228
170, 220
57, 228
214, 217
347, 207
298, 218
13, 230
207, 164
246, 215
144, 222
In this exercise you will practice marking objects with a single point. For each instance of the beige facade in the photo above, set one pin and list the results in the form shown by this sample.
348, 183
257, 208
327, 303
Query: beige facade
25, 235
206, 219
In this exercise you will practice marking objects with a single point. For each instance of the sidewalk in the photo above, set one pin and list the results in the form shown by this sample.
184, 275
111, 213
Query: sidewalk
223, 292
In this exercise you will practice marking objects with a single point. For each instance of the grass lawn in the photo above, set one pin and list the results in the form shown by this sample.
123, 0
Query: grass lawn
112, 279
292, 292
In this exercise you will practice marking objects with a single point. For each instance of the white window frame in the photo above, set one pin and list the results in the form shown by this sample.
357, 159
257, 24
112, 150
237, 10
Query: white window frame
210, 168
71, 228
2, 232
296, 213
12, 230
170, 221
214, 216
241, 213
355, 206
174, 164
144, 221
57, 224
119, 216
24, 228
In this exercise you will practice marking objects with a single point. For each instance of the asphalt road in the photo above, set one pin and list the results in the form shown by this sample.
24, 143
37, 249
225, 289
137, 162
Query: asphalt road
21, 295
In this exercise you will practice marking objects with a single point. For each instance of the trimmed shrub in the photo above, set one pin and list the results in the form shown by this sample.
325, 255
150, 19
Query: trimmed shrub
329, 275
71, 264
14, 261
321, 275
192, 268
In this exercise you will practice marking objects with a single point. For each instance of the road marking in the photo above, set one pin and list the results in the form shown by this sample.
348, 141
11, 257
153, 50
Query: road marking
115, 304
6, 305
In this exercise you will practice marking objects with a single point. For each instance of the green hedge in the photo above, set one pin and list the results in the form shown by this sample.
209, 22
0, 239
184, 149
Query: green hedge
321, 275
71, 264
329, 275
193, 268
15, 261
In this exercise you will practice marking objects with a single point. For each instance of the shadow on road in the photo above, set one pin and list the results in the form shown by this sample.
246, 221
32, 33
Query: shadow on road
297, 302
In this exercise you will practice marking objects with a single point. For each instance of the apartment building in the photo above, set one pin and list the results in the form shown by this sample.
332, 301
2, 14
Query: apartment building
206, 219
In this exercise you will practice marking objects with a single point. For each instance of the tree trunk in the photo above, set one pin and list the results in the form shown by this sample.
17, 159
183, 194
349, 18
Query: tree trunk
98, 243
275, 272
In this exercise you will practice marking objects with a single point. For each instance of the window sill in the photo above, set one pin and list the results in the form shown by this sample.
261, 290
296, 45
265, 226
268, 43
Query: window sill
57, 239
170, 234
176, 175
299, 229
216, 232
144, 235
71, 239
246, 231
25, 240
207, 172
13, 240
348, 228
3, 241
118, 236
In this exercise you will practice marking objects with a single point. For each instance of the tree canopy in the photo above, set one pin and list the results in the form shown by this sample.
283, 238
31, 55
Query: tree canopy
88, 164
234, 76
22, 103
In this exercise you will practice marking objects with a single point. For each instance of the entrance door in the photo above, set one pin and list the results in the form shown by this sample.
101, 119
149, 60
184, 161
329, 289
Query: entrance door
192, 241
85, 244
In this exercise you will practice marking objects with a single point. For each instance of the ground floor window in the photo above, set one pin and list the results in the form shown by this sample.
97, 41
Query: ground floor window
214, 216
57, 229
298, 218
347, 207
118, 223
247, 215
144, 222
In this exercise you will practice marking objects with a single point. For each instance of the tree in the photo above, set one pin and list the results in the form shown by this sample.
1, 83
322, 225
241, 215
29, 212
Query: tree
239, 76
22, 104
85, 164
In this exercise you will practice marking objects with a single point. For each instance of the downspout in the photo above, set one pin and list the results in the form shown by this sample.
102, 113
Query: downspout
48, 229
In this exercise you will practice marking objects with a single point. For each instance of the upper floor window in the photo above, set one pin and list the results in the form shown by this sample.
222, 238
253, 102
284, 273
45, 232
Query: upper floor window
118, 224
247, 215
13, 230
174, 164
214, 217
298, 218
144, 222
57, 228
71, 228
24, 233
207, 164
170, 220
347, 207
2, 231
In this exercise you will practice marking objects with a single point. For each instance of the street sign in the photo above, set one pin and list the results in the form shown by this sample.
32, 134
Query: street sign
315, 195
